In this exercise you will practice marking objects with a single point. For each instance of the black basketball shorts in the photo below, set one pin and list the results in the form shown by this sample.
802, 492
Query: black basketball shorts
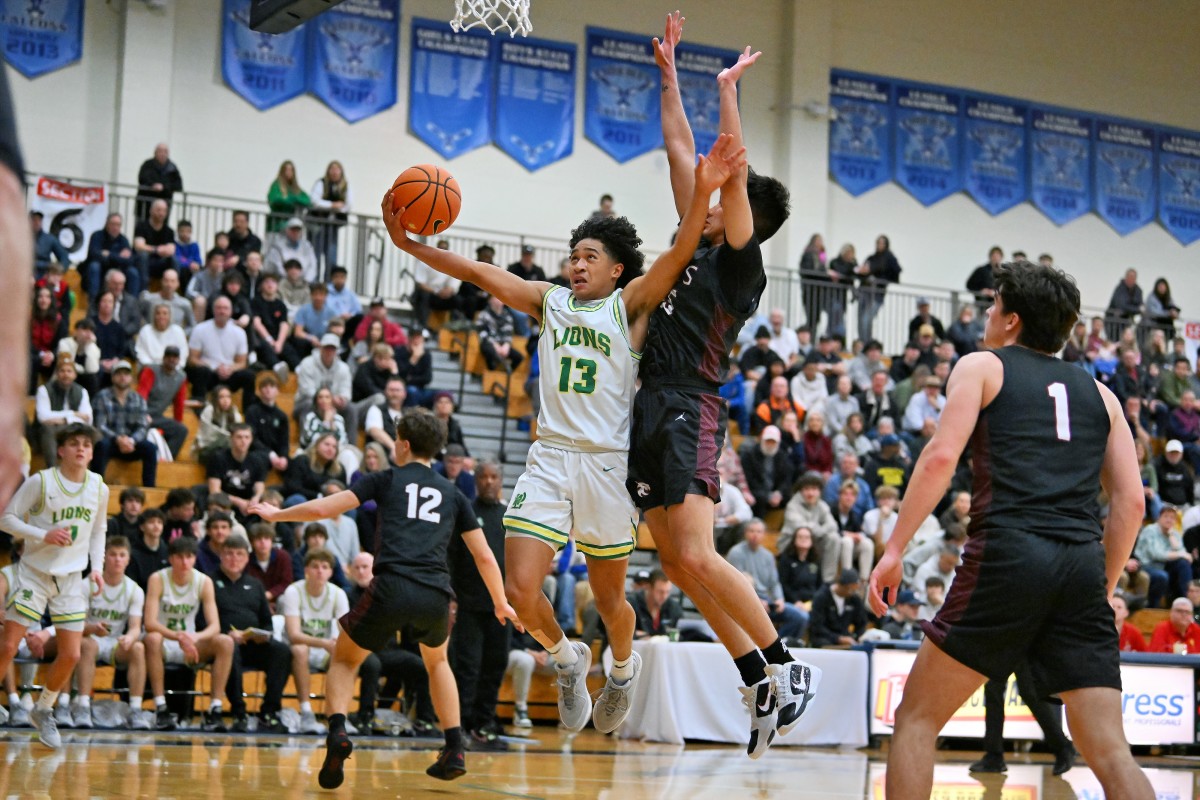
675, 442
392, 602
1021, 596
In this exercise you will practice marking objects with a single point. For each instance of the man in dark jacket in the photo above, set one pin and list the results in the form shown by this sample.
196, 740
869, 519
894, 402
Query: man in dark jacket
478, 645
158, 177
108, 248
830, 626
415, 363
147, 550
242, 606
1176, 479
242, 241
1125, 304
983, 279
656, 610
768, 472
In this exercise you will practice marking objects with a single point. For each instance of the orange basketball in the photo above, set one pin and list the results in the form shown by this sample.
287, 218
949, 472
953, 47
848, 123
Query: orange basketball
430, 198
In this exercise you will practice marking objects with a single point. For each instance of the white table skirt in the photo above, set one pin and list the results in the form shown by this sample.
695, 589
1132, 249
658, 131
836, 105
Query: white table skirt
688, 690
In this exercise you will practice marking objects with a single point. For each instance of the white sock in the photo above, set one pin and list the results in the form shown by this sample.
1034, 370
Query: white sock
46, 701
215, 705
27, 701
622, 671
13, 699
135, 703
64, 699
563, 653
159, 701
306, 707
84, 701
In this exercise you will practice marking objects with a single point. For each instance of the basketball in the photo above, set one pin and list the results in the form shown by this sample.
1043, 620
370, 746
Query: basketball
430, 198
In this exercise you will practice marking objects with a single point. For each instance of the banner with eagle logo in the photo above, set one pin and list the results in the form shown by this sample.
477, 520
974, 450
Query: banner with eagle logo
353, 57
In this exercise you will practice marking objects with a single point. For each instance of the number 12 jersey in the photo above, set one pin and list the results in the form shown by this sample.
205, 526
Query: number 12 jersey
419, 511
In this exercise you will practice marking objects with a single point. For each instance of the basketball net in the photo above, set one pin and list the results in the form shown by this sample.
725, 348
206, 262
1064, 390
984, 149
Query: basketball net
495, 15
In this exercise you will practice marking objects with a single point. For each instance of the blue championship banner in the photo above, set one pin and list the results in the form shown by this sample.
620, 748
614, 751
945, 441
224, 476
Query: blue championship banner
860, 147
535, 101
1179, 184
353, 56
1125, 177
265, 69
450, 93
928, 142
1060, 163
697, 67
994, 152
41, 36
622, 109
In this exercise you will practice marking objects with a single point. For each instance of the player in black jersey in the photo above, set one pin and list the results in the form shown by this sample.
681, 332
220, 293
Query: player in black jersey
679, 418
419, 512
1037, 570
16, 257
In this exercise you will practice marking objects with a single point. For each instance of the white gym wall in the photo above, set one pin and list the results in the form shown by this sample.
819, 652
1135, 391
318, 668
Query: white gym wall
154, 74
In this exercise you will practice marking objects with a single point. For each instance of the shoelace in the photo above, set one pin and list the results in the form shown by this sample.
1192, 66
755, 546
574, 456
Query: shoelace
615, 698
566, 680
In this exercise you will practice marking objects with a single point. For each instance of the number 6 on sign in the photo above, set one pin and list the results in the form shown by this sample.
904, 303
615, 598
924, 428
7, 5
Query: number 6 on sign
1062, 415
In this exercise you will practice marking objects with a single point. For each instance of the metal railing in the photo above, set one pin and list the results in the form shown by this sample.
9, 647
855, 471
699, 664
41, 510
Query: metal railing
378, 269
839, 309
502, 393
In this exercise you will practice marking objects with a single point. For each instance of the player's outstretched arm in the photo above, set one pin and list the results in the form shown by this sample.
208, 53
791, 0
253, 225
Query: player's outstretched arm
644, 294
739, 222
515, 292
934, 469
677, 134
1122, 481
313, 511
489, 570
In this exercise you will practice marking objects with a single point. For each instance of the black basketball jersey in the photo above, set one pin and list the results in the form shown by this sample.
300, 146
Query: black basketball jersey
419, 511
1038, 448
10, 151
694, 329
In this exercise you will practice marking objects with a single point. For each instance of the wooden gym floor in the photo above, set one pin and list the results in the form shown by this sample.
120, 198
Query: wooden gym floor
588, 766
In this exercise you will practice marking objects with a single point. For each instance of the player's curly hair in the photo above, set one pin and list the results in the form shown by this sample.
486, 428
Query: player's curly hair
620, 240
770, 204
424, 432
1046, 299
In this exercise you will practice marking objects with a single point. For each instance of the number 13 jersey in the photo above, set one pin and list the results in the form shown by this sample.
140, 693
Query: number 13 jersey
1037, 450
588, 373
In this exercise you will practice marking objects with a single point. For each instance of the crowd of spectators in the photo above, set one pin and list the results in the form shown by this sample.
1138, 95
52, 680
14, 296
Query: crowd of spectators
828, 433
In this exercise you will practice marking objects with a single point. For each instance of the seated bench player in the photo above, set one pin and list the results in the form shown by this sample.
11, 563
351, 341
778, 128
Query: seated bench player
173, 598
112, 635
310, 609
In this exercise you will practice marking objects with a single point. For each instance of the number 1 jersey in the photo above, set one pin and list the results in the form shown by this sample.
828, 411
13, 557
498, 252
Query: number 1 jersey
588, 373
1037, 450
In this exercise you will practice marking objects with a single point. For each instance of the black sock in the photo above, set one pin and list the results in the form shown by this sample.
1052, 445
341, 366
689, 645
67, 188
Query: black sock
777, 653
454, 737
337, 724
751, 667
